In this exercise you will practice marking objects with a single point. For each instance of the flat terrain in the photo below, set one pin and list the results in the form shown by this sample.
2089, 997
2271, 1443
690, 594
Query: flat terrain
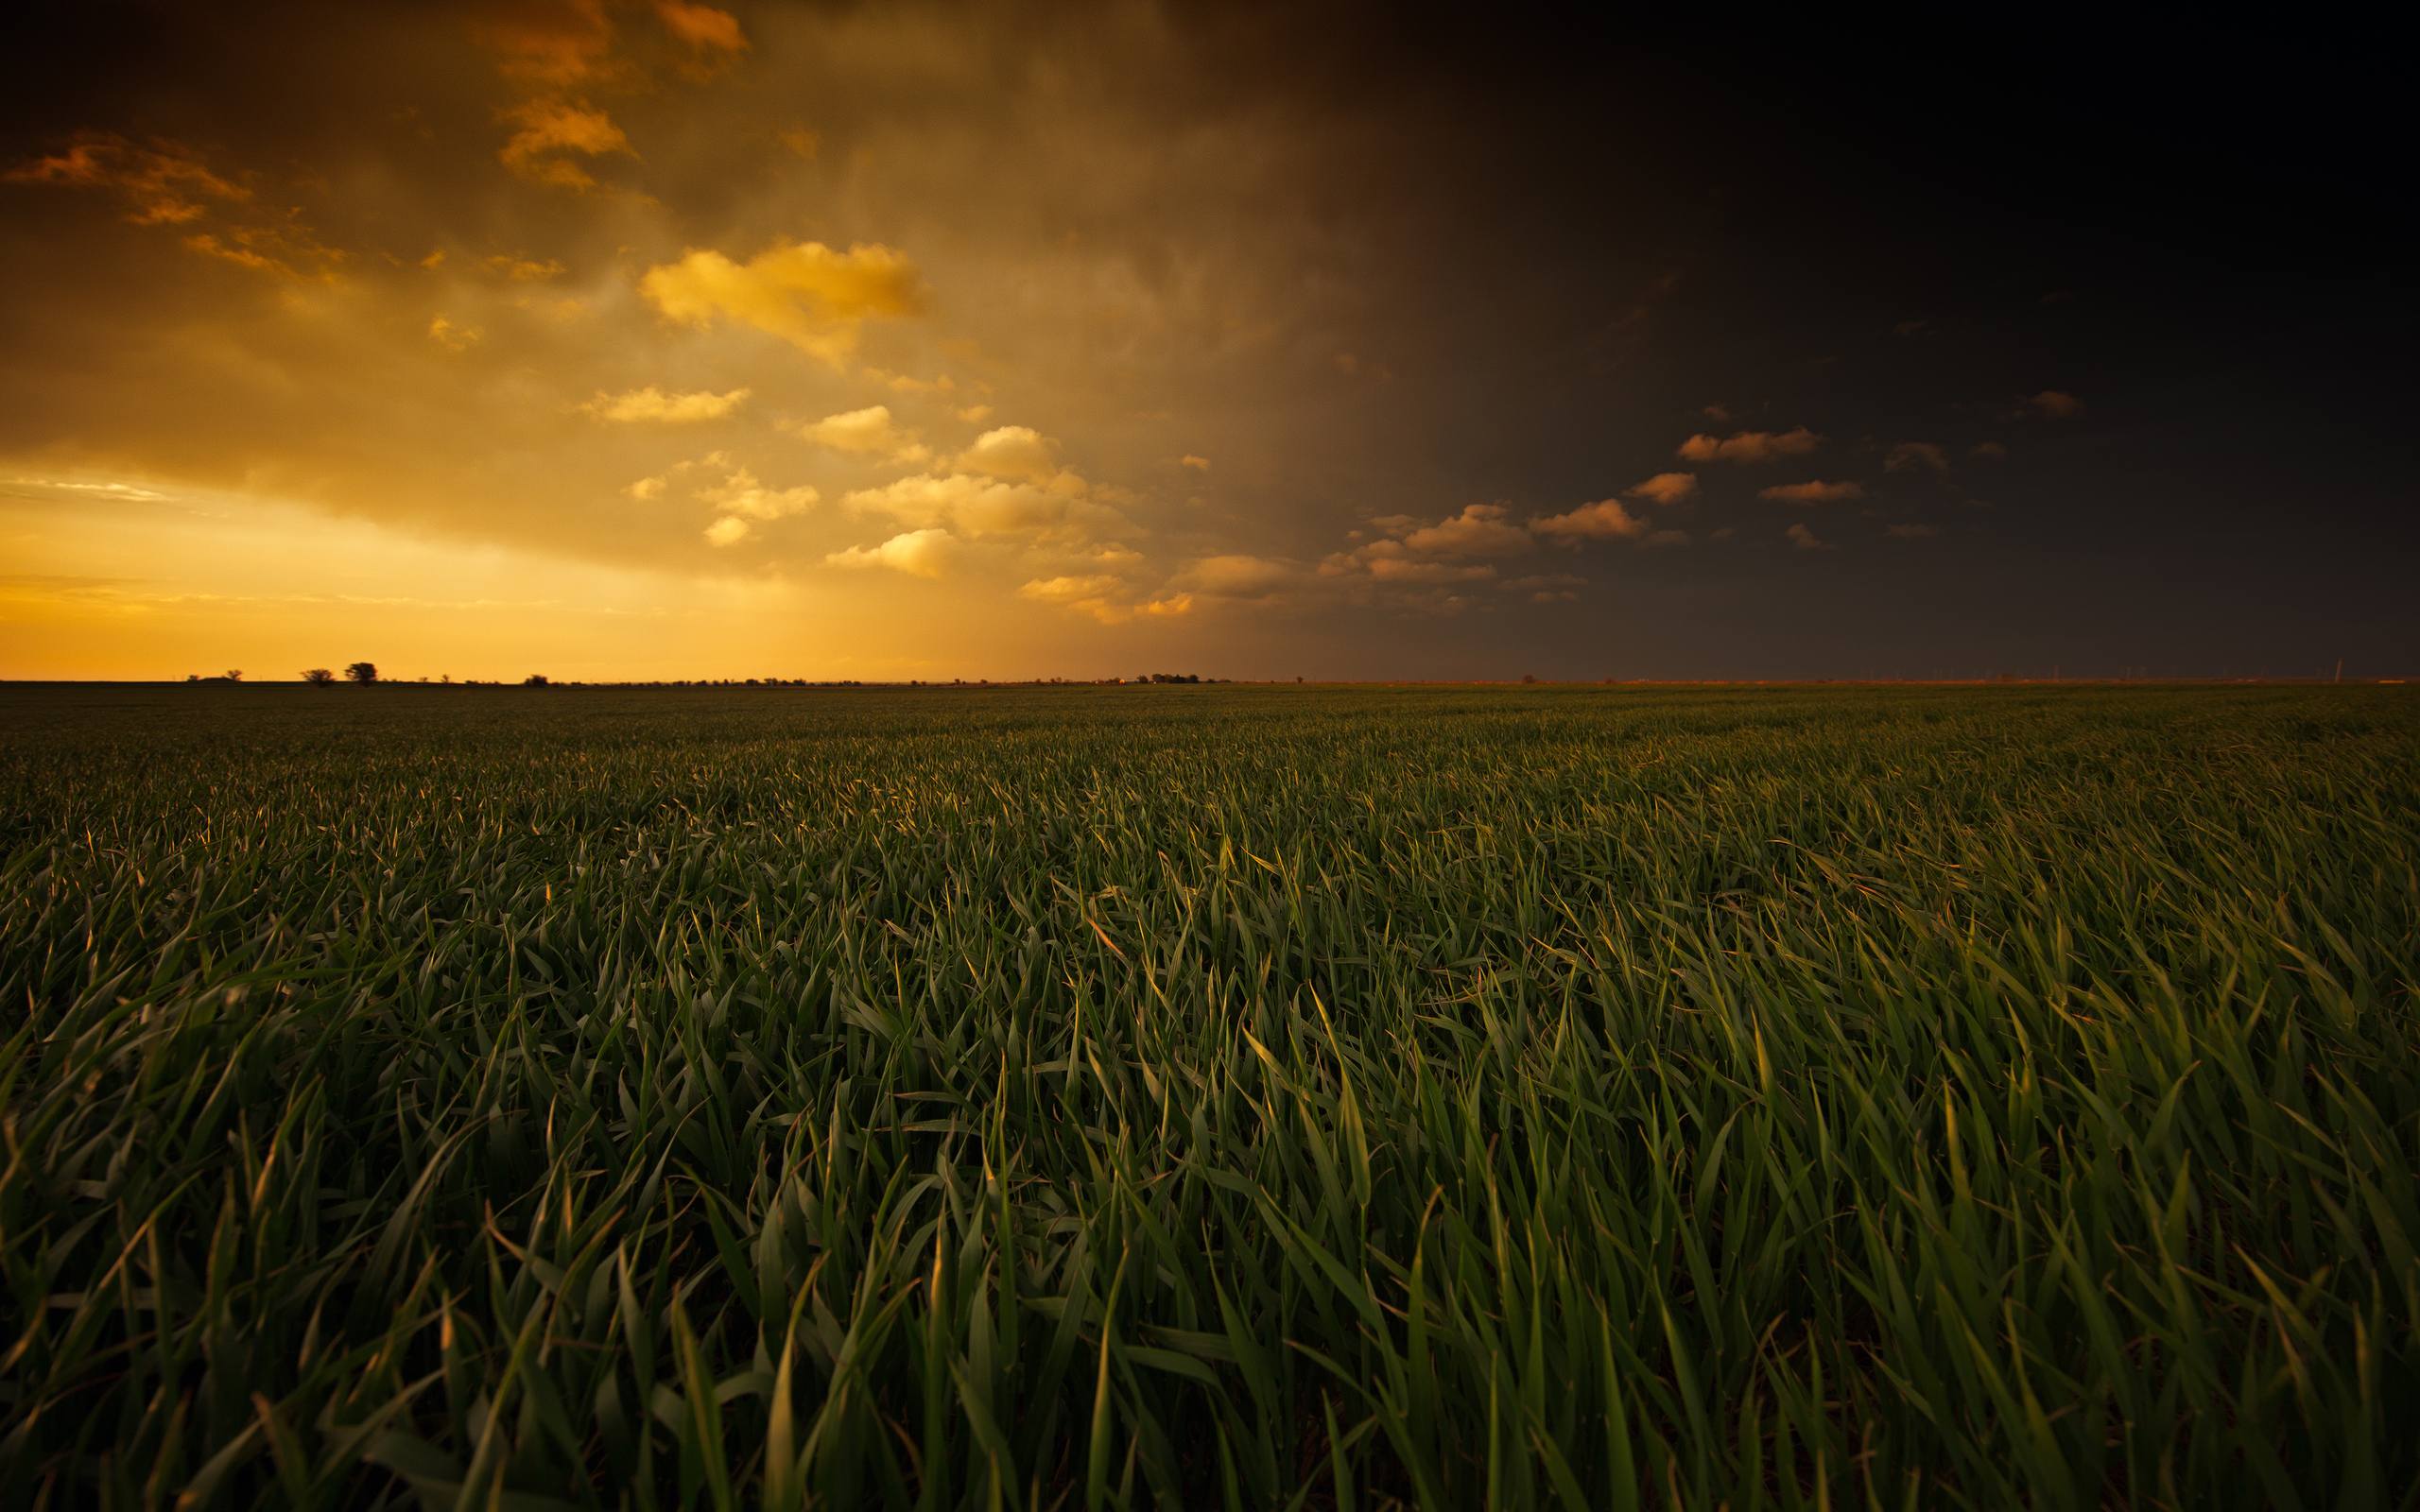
1219, 1097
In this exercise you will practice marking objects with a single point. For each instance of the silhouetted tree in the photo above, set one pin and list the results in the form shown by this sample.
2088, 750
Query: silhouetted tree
364, 673
234, 674
319, 677
535, 679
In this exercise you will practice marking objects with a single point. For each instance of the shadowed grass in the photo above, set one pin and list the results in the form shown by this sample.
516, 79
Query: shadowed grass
1249, 1098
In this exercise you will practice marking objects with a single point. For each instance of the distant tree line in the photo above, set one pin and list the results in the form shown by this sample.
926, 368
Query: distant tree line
364, 674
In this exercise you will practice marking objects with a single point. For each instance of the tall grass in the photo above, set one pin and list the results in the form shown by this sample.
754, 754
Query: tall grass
1215, 1097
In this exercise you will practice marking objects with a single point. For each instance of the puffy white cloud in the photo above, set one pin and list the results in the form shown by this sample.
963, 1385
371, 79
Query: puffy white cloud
1806, 540
1011, 452
917, 553
1749, 446
869, 432
1199, 464
652, 404
1104, 598
2055, 404
728, 531
803, 292
740, 494
1817, 491
1664, 488
1480, 530
1062, 507
1604, 520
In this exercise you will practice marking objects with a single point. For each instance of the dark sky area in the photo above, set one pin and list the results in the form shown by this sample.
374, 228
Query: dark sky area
1342, 340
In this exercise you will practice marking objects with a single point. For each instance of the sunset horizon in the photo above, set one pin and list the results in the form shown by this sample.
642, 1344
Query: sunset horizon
1101, 755
659, 340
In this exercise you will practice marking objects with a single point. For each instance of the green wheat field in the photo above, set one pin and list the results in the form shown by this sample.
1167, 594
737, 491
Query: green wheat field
1221, 1097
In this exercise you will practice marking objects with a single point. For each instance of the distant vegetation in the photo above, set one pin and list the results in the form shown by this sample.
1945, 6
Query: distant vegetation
1259, 1098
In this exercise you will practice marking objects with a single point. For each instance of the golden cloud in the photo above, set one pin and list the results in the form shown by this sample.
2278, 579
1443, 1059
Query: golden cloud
1606, 519
1749, 446
454, 338
653, 405
701, 26
741, 501
1011, 452
917, 553
1664, 488
869, 432
1480, 530
550, 128
164, 185
994, 506
803, 292
519, 270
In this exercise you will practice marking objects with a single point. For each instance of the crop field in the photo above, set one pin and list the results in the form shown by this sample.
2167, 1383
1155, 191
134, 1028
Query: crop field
1226, 1097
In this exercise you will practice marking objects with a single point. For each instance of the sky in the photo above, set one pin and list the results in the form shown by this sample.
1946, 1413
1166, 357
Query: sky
663, 340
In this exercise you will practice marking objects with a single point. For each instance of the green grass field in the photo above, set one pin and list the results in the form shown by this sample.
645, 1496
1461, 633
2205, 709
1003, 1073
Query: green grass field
1215, 1096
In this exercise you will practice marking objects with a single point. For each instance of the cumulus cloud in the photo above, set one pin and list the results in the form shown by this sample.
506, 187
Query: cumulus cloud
701, 26
1909, 456
1664, 488
1011, 452
1199, 464
918, 553
1103, 598
803, 292
1606, 519
653, 405
1062, 507
2055, 404
1480, 530
1749, 446
645, 489
1806, 540
1989, 451
549, 131
867, 432
1814, 492
741, 499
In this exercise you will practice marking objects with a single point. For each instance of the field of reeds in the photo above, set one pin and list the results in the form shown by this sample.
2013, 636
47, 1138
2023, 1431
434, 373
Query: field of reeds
1226, 1097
